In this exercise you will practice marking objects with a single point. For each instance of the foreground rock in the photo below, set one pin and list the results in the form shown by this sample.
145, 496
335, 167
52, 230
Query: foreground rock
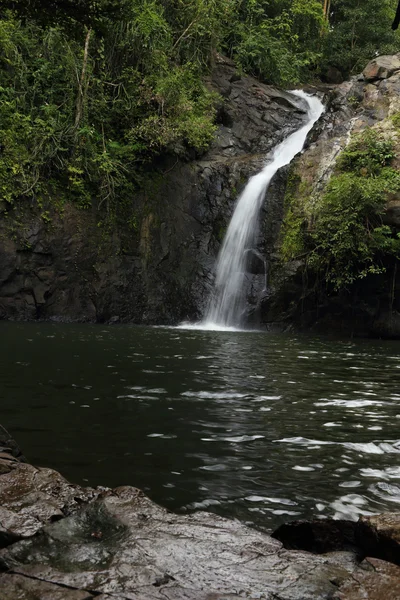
376, 536
63, 542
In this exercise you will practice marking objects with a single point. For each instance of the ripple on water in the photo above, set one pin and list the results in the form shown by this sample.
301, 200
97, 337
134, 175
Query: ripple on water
350, 403
234, 417
386, 491
235, 440
267, 499
213, 395
386, 474
137, 397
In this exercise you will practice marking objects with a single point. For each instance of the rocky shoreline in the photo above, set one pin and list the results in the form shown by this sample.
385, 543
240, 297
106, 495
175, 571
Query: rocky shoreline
60, 541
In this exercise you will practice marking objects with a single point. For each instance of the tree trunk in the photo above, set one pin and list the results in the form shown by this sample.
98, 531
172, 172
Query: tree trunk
82, 87
327, 8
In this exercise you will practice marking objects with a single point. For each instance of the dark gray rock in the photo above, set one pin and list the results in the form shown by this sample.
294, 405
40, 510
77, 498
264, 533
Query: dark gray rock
9, 447
376, 536
333, 75
158, 270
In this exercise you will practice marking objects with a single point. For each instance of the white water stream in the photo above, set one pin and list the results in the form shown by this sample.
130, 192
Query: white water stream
228, 300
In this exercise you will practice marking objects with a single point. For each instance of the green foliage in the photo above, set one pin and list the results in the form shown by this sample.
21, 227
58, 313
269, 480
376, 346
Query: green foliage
279, 41
348, 239
92, 91
293, 227
82, 110
186, 113
343, 237
396, 120
293, 234
366, 154
358, 32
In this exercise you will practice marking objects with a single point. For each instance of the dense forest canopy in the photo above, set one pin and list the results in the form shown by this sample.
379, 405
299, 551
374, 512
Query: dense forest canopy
92, 90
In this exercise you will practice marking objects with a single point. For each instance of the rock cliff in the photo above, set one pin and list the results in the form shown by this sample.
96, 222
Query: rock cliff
370, 307
56, 263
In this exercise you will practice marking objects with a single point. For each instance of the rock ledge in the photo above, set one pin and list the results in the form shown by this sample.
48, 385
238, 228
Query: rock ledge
63, 542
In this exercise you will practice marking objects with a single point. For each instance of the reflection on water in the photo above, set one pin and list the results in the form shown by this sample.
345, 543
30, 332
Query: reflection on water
263, 427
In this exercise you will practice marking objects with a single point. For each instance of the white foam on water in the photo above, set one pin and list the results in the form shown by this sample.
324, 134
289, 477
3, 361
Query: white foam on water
386, 474
209, 326
349, 403
284, 501
216, 395
235, 440
303, 441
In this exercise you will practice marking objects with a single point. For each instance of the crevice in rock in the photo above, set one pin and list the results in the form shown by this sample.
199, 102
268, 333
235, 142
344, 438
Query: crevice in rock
93, 593
8, 538
329, 535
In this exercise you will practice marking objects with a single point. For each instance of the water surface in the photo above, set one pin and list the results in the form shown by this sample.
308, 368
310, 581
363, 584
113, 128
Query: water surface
266, 428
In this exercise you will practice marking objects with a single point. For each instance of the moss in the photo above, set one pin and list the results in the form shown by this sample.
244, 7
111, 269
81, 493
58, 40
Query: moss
294, 223
396, 120
293, 235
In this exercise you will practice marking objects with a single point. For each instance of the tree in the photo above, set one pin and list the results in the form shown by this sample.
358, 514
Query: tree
359, 30
277, 40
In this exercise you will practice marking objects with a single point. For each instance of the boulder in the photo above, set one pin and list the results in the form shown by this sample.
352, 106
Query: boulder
380, 536
375, 580
382, 67
333, 75
126, 546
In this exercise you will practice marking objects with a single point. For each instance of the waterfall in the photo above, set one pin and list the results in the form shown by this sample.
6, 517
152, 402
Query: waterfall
227, 304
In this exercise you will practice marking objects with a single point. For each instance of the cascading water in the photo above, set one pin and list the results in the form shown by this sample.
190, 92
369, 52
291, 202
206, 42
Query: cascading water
228, 300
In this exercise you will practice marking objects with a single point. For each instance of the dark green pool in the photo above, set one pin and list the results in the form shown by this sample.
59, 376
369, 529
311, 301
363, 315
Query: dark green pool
266, 428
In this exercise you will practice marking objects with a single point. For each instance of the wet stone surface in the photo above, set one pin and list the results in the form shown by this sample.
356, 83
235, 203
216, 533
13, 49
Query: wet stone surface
71, 543
374, 580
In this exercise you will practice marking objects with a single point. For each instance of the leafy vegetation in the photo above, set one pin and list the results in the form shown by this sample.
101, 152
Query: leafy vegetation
92, 91
358, 31
83, 110
343, 236
279, 41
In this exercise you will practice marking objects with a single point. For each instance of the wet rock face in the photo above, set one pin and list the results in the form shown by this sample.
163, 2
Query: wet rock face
371, 307
30, 498
124, 545
159, 270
